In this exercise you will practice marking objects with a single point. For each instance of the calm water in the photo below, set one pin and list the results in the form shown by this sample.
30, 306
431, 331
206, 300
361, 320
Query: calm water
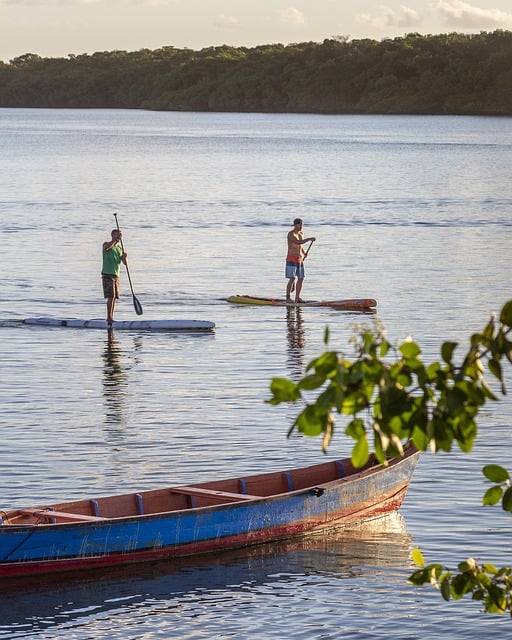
414, 211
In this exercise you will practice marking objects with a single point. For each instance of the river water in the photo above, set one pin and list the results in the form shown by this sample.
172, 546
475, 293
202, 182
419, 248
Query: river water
413, 211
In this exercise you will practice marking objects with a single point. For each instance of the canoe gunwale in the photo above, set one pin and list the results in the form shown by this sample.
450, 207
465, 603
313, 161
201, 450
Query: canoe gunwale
372, 471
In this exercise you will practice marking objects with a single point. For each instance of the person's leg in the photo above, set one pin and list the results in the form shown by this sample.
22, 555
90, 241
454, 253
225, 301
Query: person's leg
111, 303
111, 293
290, 273
300, 280
290, 288
298, 289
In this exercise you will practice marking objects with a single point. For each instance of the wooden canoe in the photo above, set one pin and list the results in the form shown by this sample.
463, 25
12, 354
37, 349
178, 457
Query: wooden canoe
181, 521
350, 304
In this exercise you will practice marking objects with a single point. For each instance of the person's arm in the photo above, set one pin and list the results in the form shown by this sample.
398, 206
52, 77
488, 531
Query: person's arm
295, 240
109, 245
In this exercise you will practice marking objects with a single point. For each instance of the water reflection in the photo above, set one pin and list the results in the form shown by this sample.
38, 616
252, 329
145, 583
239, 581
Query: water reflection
114, 379
296, 340
186, 588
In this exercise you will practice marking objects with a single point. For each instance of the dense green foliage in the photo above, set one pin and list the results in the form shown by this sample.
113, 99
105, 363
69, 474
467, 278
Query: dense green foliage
388, 396
415, 74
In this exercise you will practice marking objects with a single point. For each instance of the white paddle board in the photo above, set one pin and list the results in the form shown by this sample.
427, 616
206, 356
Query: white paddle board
124, 325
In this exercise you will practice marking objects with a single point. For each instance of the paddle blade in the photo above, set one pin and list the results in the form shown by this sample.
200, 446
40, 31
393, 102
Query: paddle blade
137, 306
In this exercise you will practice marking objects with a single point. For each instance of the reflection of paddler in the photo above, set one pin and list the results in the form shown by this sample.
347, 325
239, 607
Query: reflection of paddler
113, 378
112, 357
296, 338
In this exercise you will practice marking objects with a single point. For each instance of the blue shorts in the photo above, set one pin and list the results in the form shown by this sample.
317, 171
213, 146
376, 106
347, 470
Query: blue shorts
294, 269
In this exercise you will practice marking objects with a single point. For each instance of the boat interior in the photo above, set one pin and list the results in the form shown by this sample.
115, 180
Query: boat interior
184, 497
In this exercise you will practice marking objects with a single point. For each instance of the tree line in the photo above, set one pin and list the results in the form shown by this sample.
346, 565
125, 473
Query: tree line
416, 74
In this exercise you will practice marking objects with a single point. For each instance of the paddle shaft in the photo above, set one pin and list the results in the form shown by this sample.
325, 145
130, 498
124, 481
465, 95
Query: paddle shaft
136, 304
307, 250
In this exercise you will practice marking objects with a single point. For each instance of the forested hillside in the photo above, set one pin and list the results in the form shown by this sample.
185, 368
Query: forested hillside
438, 74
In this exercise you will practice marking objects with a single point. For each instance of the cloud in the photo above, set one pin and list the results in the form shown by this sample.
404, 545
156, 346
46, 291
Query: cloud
409, 17
293, 17
70, 3
385, 17
153, 3
42, 3
461, 15
226, 22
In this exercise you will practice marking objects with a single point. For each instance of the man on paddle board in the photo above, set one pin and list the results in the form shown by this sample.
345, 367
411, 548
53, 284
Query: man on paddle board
295, 260
113, 255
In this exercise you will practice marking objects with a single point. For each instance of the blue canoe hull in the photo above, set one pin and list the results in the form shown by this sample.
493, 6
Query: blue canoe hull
53, 544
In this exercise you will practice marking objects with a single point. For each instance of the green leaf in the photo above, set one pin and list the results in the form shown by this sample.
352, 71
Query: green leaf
326, 363
507, 500
446, 589
447, 349
495, 473
419, 577
506, 314
384, 348
492, 496
310, 422
360, 453
461, 584
410, 350
489, 568
495, 369
418, 558
312, 381
284, 390
355, 429
488, 332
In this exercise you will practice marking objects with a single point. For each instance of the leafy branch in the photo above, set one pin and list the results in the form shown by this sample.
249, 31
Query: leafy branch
393, 401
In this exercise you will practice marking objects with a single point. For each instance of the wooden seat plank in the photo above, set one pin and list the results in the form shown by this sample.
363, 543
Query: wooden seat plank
197, 491
58, 515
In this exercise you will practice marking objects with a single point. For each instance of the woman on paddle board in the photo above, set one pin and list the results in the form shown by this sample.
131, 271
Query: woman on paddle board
295, 260
113, 255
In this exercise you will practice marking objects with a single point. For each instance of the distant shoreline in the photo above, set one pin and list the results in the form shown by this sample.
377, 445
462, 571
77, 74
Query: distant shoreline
447, 74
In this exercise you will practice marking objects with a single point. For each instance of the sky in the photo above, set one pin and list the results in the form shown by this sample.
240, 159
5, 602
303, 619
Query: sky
58, 28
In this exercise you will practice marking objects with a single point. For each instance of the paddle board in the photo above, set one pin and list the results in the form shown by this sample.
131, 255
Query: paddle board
356, 303
125, 325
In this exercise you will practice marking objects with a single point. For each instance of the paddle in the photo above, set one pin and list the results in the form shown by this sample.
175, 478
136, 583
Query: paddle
307, 251
136, 304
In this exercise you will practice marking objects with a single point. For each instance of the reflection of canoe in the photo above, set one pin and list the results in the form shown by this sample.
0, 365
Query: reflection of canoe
354, 303
138, 590
194, 519
125, 325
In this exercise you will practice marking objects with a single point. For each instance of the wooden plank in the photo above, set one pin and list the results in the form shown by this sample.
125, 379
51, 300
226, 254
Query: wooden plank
58, 515
196, 491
